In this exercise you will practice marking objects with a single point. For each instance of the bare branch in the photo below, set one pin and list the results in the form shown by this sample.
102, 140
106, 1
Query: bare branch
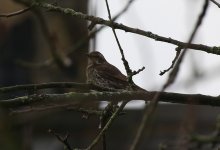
107, 125
138, 71
174, 72
149, 111
216, 3
35, 87
75, 98
97, 20
125, 62
86, 112
61, 139
15, 13
129, 72
178, 50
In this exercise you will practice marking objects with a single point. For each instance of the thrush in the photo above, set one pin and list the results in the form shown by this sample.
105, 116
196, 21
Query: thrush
101, 73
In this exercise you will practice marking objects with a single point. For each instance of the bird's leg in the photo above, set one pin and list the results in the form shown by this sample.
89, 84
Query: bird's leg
106, 114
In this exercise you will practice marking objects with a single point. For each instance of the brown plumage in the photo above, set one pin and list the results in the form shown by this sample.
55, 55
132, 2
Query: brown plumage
104, 74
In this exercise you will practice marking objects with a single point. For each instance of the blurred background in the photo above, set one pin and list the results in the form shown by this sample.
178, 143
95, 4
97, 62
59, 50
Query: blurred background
41, 46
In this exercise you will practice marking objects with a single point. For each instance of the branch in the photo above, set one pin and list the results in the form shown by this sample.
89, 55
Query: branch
73, 98
86, 112
61, 139
174, 72
98, 137
129, 72
104, 117
149, 111
216, 3
98, 20
15, 13
35, 87
125, 62
137, 72
178, 52
107, 125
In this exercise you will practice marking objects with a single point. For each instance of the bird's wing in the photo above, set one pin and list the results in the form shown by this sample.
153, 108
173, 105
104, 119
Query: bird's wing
116, 78
112, 73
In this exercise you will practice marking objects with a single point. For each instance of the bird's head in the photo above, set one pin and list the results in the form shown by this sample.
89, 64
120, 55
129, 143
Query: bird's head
96, 58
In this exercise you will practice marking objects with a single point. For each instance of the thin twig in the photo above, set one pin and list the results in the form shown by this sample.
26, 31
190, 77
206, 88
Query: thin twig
138, 71
175, 70
35, 87
15, 13
38, 109
129, 72
214, 50
216, 3
123, 10
61, 139
104, 117
139, 133
56, 107
111, 119
97, 20
125, 62
178, 50
149, 111
85, 110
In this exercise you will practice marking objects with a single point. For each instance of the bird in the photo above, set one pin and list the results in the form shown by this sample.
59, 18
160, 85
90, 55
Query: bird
101, 73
